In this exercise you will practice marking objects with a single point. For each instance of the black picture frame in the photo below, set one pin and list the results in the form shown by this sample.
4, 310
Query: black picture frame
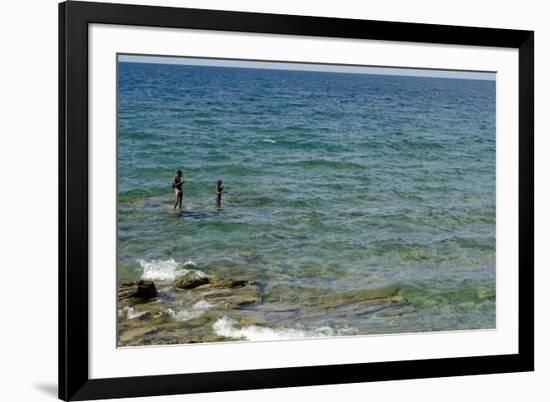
74, 381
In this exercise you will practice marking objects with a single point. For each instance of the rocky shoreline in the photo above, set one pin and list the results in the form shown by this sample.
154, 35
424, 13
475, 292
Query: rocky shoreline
187, 309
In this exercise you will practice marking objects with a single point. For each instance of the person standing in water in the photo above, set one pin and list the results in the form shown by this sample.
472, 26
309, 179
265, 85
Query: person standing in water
219, 191
177, 184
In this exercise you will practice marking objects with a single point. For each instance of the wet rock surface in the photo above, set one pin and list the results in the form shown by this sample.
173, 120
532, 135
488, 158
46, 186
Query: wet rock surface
187, 309
190, 283
137, 290
227, 284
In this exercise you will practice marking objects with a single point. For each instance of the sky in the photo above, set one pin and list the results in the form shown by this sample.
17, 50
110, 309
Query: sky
472, 75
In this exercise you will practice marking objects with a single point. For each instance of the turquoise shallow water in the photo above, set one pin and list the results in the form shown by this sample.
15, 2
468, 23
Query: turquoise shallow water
336, 182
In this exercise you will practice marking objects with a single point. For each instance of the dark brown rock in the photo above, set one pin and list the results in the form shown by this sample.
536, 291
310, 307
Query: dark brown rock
190, 283
226, 284
230, 283
139, 290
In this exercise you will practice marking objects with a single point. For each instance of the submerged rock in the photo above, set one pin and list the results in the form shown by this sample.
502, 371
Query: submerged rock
137, 290
278, 308
236, 300
233, 297
486, 293
190, 283
320, 297
130, 334
383, 292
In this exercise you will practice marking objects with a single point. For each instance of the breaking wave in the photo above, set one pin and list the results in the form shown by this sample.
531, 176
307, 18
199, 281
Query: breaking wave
130, 313
226, 327
184, 315
168, 270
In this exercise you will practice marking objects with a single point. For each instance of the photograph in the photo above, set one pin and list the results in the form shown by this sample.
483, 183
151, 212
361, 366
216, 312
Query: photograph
262, 200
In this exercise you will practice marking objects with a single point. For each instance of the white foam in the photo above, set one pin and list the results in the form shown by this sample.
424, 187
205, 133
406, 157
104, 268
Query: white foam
130, 313
168, 270
226, 327
269, 140
184, 315
202, 305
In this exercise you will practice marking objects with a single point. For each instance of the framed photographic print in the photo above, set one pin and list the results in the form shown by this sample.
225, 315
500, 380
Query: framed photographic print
258, 200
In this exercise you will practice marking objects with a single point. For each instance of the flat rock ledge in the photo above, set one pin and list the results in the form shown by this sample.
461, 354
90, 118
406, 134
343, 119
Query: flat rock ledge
205, 283
226, 292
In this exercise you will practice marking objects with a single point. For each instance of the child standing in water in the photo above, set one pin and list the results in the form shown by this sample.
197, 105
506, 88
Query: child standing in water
177, 183
219, 191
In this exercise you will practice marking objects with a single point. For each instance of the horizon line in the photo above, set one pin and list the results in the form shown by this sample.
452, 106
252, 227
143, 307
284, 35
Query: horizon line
307, 66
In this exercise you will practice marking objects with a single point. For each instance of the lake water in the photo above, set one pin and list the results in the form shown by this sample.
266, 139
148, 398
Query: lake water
336, 183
